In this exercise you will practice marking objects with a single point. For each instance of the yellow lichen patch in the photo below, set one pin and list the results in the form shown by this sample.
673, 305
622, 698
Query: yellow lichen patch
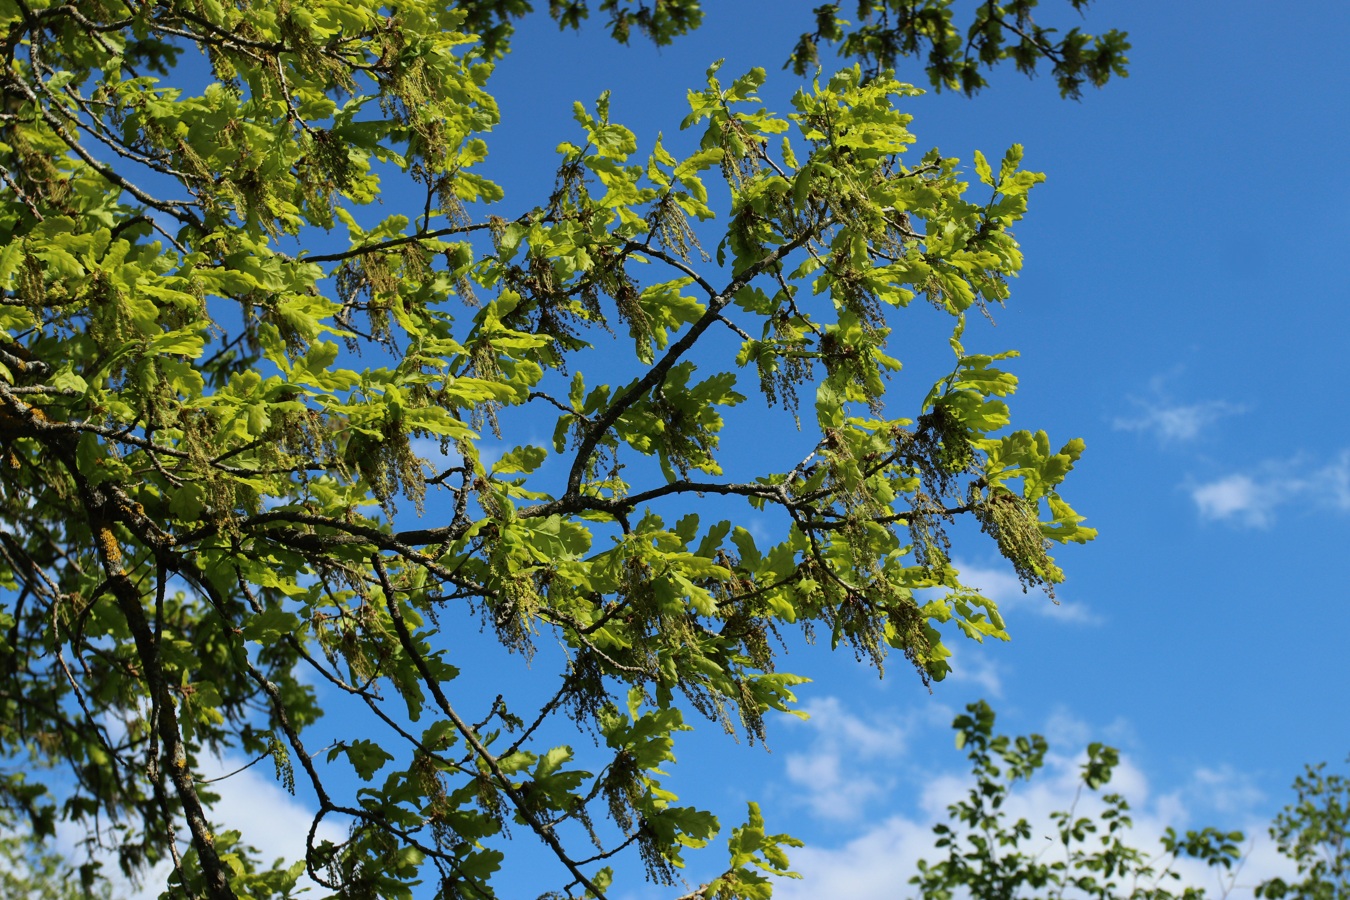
111, 549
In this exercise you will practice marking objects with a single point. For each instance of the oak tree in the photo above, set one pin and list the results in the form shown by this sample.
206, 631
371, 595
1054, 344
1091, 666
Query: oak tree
260, 307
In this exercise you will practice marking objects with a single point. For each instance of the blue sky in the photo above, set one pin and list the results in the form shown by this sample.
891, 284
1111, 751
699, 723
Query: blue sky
1183, 309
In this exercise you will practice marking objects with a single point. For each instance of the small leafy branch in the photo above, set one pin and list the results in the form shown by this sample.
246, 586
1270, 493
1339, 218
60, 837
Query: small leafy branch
1087, 856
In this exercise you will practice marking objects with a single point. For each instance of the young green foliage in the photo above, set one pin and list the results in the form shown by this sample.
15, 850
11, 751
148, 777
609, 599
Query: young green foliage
1314, 832
1089, 855
228, 376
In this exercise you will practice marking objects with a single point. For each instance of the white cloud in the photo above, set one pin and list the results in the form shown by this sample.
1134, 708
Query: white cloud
1237, 497
877, 861
1251, 498
1172, 422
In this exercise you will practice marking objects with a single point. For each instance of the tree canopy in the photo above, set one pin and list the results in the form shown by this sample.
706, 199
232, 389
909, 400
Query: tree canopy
226, 369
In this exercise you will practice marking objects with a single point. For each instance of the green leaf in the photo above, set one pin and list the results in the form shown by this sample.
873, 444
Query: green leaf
520, 460
269, 625
982, 169
366, 757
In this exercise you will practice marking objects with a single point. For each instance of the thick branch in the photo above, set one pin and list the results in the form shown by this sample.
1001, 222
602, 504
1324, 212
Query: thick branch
129, 603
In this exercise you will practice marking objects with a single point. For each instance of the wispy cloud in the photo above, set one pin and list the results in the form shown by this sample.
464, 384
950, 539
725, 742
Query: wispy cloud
977, 669
1168, 420
1174, 422
1251, 498
847, 763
